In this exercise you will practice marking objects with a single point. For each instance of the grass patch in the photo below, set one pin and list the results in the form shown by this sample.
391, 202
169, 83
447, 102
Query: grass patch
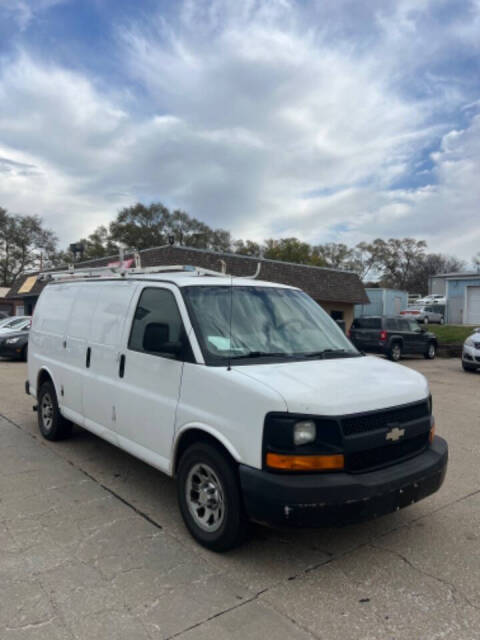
450, 334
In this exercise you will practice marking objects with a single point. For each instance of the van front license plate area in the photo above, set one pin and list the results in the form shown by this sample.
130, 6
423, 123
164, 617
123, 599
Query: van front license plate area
355, 511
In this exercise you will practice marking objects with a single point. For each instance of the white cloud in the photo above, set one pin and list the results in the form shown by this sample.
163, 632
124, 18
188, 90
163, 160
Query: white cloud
24, 11
256, 121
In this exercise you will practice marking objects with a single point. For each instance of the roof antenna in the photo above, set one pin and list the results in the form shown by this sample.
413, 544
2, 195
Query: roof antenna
229, 366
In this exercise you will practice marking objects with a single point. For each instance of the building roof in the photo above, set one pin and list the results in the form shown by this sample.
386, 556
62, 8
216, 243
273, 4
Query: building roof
322, 284
458, 275
4, 291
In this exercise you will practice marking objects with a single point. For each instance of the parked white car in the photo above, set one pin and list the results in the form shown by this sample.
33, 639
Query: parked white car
14, 323
471, 352
434, 298
246, 392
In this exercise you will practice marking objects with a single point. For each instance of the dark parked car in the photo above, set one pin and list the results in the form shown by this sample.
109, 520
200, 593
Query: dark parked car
14, 344
393, 336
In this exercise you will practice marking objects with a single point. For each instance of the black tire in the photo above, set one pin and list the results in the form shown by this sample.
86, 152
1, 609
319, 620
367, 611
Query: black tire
52, 425
232, 525
431, 351
395, 352
468, 367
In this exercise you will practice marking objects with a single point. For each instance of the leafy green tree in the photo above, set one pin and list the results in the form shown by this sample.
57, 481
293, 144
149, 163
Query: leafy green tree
247, 248
141, 227
398, 258
98, 244
292, 250
335, 255
24, 244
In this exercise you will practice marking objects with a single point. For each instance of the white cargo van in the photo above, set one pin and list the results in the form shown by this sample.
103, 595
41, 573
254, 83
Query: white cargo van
246, 392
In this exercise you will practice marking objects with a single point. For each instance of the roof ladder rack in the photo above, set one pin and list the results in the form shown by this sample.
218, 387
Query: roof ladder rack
73, 273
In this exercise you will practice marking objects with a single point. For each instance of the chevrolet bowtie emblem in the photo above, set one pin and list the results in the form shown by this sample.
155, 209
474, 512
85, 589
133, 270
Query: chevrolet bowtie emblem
395, 434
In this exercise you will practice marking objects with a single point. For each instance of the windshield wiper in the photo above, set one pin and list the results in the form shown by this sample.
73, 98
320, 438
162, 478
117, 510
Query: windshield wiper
327, 353
261, 354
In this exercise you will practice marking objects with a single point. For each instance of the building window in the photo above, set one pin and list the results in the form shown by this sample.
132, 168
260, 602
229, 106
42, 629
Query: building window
337, 315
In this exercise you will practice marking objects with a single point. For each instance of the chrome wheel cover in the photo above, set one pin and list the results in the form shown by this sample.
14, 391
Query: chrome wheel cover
205, 498
46, 409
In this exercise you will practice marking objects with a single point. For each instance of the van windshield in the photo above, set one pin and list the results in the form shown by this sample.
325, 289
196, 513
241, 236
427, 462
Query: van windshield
247, 323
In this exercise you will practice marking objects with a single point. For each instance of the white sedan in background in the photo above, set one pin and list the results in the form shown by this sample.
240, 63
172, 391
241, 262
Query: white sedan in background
14, 323
471, 352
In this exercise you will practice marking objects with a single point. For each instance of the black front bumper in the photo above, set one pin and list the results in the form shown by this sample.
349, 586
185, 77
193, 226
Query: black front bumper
342, 498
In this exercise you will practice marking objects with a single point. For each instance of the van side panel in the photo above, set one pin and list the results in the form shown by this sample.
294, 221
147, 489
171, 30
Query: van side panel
48, 333
228, 405
78, 331
101, 382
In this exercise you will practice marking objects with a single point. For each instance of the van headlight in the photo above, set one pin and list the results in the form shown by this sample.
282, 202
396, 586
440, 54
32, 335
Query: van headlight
12, 340
298, 443
304, 432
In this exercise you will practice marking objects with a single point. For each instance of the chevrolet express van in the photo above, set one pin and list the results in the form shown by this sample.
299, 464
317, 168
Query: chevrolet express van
246, 392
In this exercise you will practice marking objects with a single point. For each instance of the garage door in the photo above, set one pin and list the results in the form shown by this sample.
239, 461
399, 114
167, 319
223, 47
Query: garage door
473, 305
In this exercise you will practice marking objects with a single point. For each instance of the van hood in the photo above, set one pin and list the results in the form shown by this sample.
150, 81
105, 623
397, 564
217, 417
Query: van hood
340, 386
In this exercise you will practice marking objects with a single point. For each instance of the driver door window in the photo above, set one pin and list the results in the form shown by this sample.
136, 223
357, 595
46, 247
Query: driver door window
157, 327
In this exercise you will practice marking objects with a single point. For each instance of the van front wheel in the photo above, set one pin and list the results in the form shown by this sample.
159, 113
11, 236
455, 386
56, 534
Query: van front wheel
52, 425
210, 499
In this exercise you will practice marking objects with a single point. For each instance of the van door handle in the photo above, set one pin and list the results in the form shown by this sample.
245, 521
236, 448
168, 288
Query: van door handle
121, 366
87, 359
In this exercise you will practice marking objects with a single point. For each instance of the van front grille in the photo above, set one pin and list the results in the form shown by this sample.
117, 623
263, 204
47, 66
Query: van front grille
371, 458
365, 422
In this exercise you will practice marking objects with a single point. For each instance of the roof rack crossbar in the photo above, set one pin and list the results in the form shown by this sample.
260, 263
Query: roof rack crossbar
73, 273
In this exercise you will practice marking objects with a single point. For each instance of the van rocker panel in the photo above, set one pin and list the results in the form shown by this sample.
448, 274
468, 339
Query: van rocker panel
336, 498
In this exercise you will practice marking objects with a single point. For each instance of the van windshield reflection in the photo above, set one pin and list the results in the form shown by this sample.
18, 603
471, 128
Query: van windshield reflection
262, 324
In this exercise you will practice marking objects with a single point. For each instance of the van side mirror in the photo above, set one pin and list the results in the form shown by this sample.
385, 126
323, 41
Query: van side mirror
174, 348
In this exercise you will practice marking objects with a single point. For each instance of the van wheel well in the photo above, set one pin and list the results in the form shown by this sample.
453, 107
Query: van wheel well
192, 436
44, 376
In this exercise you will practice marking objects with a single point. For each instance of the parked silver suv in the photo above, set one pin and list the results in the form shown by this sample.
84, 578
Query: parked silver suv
425, 313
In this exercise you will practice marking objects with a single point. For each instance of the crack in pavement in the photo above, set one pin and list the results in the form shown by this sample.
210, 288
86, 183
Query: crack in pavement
452, 588
218, 614
138, 511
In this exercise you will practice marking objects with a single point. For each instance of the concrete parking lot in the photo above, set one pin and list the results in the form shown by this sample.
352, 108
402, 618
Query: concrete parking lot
92, 547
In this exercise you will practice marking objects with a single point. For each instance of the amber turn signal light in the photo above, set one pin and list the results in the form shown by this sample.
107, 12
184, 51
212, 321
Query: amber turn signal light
305, 463
431, 435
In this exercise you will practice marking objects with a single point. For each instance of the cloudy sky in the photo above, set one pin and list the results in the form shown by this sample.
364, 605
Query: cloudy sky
329, 120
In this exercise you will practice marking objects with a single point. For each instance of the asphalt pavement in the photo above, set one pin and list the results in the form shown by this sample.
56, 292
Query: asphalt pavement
92, 546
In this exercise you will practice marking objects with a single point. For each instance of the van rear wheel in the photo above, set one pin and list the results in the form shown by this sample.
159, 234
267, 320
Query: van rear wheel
52, 425
209, 498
